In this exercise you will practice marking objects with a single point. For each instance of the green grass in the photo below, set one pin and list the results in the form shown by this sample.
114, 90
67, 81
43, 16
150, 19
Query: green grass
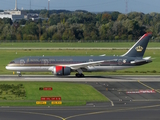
151, 68
12, 92
86, 45
71, 93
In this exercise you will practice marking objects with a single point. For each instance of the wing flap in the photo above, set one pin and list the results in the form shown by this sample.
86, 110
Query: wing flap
84, 65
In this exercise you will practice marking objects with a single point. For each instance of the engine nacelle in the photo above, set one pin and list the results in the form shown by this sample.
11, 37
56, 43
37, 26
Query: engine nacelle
61, 70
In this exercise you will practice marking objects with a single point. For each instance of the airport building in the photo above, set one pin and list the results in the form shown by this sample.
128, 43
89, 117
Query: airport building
13, 15
16, 15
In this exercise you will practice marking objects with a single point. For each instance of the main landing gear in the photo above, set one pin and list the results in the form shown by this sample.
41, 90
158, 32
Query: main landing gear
79, 75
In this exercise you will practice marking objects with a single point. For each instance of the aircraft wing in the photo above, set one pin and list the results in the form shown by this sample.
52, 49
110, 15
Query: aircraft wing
144, 60
84, 65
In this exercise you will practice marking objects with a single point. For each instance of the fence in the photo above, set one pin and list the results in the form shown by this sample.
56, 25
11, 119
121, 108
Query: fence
70, 41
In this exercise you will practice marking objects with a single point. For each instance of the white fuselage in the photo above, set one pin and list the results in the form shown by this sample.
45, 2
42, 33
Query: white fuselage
46, 68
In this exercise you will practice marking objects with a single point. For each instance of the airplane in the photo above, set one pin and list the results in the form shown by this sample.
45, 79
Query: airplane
64, 65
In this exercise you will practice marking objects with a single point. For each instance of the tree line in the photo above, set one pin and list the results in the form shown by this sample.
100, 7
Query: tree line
81, 26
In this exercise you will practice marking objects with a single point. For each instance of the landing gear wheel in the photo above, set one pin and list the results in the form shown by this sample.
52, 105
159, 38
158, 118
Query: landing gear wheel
19, 75
79, 75
82, 75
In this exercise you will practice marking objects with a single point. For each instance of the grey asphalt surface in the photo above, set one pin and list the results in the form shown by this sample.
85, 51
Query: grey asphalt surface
114, 78
132, 111
125, 106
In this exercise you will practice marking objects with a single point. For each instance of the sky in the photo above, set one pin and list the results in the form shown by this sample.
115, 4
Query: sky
145, 6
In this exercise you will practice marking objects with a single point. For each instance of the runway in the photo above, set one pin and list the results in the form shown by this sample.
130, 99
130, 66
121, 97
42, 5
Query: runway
131, 97
113, 78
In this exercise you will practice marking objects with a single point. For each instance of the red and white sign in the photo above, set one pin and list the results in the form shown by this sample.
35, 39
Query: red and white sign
147, 91
141, 91
50, 98
45, 98
47, 88
55, 98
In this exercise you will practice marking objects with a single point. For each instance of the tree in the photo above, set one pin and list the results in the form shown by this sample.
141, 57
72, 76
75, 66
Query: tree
18, 37
51, 30
81, 25
118, 28
44, 37
121, 17
135, 29
10, 37
99, 17
7, 21
114, 15
106, 17
22, 22
54, 19
77, 30
31, 29
57, 36
68, 35
93, 36
157, 29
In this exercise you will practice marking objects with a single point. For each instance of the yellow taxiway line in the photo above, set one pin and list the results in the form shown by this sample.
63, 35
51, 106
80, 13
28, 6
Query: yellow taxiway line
148, 86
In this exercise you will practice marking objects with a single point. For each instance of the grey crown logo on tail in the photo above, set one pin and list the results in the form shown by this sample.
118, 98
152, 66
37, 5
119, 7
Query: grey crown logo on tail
139, 48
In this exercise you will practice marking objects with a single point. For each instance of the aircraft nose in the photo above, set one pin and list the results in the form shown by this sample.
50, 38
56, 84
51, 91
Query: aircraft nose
7, 67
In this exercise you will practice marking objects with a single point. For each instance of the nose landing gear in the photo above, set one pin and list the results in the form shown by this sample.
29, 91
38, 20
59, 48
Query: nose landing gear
19, 74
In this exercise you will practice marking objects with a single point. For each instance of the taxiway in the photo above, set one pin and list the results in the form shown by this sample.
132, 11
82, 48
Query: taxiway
131, 97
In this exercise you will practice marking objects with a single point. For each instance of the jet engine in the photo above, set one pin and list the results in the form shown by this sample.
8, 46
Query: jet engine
61, 70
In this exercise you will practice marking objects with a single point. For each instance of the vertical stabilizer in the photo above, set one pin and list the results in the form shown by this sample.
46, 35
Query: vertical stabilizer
138, 49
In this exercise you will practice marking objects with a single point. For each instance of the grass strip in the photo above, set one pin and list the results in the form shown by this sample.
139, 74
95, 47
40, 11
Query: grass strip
83, 45
71, 93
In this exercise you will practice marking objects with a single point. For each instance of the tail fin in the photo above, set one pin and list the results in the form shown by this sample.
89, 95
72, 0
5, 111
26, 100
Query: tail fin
138, 49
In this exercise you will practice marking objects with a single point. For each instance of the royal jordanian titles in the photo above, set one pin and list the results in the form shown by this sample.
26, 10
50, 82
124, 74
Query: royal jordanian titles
64, 65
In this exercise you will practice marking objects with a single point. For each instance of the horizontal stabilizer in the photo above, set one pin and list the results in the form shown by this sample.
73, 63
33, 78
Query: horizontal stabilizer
143, 61
103, 55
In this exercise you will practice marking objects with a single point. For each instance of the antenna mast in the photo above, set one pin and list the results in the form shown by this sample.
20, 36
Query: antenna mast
126, 7
15, 5
48, 4
30, 4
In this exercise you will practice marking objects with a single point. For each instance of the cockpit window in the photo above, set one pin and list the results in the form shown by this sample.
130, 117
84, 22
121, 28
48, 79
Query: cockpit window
12, 62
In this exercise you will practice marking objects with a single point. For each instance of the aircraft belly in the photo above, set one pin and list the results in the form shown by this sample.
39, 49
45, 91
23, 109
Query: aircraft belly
29, 68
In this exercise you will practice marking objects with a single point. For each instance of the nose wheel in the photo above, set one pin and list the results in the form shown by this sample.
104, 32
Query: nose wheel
79, 75
19, 74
